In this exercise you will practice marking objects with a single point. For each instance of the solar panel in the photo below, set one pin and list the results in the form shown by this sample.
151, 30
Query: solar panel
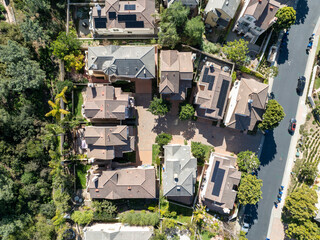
100, 22
126, 17
135, 24
130, 7
222, 96
218, 182
208, 79
112, 15
215, 170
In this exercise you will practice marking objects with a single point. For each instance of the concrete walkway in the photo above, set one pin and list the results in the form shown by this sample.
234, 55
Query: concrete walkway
276, 228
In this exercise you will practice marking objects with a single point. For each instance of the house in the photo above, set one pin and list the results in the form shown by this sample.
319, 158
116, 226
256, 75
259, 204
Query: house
107, 103
179, 174
123, 18
176, 74
192, 4
220, 12
107, 143
116, 231
220, 184
212, 91
121, 62
247, 103
124, 183
257, 18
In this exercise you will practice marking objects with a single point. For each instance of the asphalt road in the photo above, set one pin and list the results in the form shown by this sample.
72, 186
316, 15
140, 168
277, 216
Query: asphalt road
291, 63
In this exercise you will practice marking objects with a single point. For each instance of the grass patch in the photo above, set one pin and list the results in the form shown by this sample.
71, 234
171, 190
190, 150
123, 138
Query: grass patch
205, 235
81, 172
183, 214
317, 83
155, 152
78, 102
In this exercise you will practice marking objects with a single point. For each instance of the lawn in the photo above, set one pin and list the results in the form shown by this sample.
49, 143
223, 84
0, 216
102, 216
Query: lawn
78, 101
208, 149
184, 214
317, 83
81, 171
155, 152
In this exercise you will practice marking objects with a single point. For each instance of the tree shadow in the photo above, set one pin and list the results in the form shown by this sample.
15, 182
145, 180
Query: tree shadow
269, 149
161, 125
251, 214
302, 10
190, 131
284, 51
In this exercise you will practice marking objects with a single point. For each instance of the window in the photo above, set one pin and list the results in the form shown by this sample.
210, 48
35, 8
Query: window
257, 29
250, 19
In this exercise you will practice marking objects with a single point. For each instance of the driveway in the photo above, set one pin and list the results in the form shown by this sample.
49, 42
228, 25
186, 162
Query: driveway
224, 140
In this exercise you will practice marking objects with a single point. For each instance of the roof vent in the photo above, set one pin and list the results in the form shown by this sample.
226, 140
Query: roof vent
179, 188
175, 176
250, 101
271, 8
260, 1
227, 3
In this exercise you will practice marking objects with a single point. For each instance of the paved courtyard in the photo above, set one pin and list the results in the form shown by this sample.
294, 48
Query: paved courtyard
225, 140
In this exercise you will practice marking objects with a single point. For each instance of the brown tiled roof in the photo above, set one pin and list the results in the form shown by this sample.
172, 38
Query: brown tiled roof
144, 9
105, 102
174, 67
225, 196
107, 142
263, 11
123, 184
251, 103
211, 98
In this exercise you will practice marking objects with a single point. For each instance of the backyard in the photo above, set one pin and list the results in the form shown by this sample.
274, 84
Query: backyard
81, 172
78, 101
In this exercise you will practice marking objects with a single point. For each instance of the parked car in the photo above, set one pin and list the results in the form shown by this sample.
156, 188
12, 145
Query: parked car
292, 125
301, 84
245, 227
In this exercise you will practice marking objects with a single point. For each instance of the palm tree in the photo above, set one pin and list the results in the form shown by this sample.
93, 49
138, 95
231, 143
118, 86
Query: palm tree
62, 95
56, 110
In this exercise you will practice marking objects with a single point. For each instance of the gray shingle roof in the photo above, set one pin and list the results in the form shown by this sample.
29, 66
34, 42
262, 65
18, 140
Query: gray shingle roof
228, 6
180, 171
125, 61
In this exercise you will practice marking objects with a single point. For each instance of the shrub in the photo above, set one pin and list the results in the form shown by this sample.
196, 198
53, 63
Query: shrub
140, 218
82, 217
104, 210
163, 139
210, 47
186, 112
234, 77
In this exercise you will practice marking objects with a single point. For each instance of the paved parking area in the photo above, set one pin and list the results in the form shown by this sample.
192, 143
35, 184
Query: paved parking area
225, 140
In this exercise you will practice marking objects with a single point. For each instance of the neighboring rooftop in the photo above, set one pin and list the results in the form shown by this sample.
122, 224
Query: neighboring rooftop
212, 91
124, 14
263, 11
107, 143
123, 184
122, 61
116, 231
222, 180
180, 171
248, 99
227, 6
106, 102
187, 3
176, 69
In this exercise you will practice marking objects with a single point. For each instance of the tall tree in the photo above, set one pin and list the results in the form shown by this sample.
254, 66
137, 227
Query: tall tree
286, 17
247, 161
308, 173
186, 112
159, 107
249, 190
307, 230
168, 35
163, 139
273, 115
236, 51
194, 30
82, 217
300, 204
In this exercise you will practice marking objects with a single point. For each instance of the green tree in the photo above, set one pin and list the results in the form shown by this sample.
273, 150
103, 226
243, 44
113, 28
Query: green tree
32, 31
43, 229
210, 47
163, 139
249, 190
198, 150
194, 30
242, 236
236, 51
247, 161
159, 107
66, 44
273, 115
177, 14
142, 218
300, 204
168, 35
82, 217
104, 210
186, 112
56, 110
21, 72
158, 236
307, 230
286, 17
308, 173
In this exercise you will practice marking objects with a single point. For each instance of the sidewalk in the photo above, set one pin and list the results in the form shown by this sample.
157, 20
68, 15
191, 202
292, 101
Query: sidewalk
276, 228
